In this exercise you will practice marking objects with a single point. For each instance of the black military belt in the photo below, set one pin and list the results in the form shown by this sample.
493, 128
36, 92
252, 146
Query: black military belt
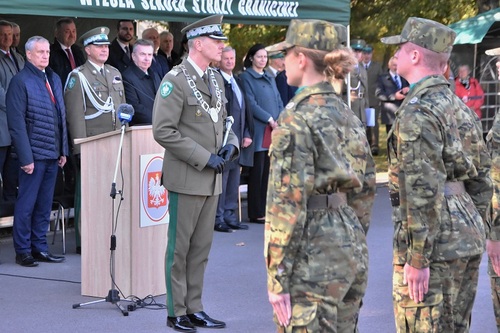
324, 201
450, 188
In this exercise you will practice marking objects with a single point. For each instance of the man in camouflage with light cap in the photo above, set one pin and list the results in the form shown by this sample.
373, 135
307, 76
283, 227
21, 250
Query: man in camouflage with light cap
493, 230
321, 190
439, 188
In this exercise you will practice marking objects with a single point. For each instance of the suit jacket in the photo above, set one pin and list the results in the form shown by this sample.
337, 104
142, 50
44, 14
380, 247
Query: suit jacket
59, 61
286, 91
7, 71
78, 104
117, 57
188, 134
385, 92
160, 65
373, 72
173, 60
243, 119
140, 92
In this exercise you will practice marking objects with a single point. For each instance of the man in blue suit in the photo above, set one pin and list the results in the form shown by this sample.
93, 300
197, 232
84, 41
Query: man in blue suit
141, 82
226, 217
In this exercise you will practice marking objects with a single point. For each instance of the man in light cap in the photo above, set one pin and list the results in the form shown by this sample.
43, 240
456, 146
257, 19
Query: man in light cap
439, 188
92, 95
493, 230
189, 118
321, 190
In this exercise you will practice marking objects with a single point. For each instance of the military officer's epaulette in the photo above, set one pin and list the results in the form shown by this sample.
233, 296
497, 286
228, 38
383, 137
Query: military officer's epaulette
111, 68
174, 71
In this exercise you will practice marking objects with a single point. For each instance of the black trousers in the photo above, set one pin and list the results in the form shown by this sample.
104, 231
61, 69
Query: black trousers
258, 177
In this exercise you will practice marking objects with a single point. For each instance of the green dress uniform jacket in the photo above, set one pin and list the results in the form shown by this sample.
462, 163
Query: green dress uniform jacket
359, 92
318, 256
79, 105
188, 134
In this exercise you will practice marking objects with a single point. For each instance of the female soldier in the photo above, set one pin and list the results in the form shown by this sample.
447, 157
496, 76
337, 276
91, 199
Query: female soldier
321, 190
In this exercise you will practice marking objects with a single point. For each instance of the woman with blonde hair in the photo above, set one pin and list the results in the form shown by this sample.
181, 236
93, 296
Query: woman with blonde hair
321, 190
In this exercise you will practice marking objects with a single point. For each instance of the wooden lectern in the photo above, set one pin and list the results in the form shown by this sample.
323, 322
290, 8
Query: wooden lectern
140, 252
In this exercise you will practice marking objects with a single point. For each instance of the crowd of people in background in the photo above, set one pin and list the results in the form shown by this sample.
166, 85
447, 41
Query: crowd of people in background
305, 117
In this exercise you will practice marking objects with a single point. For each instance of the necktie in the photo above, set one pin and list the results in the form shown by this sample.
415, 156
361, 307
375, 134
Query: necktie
127, 51
49, 89
366, 66
205, 79
71, 59
237, 91
8, 55
102, 71
396, 80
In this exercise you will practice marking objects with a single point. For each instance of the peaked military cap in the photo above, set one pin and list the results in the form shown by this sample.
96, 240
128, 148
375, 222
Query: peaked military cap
276, 55
96, 36
208, 26
426, 33
358, 44
368, 49
312, 34
493, 52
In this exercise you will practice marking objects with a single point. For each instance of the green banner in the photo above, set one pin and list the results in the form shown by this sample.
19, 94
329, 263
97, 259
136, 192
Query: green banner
271, 12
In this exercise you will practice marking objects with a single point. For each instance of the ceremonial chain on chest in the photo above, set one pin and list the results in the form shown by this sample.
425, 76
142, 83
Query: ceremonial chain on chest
359, 80
213, 112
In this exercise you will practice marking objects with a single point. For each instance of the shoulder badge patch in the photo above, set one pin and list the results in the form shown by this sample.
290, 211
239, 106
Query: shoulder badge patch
71, 83
414, 100
166, 89
290, 105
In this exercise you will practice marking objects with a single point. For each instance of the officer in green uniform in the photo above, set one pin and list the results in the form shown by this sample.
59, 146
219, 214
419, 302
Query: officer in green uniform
440, 190
321, 190
92, 95
358, 87
189, 122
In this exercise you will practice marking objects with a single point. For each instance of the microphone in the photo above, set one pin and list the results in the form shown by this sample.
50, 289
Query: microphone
125, 113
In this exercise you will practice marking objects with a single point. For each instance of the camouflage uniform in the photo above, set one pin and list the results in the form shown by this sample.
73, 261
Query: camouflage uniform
319, 256
493, 232
438, 168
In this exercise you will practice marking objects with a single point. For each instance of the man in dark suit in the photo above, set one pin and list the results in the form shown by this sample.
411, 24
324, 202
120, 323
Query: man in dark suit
188, 121
391, 90
374, 70
141, 83
166, 48
226, 217
159, 63
65, 54
120, 50
286, 91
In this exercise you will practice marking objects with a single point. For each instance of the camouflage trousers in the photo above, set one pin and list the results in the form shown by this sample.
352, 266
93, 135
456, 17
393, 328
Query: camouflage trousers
448, 304
495, 294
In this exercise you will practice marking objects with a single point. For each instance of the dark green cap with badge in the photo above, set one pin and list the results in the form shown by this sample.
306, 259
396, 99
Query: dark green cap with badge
208, 27
428, 34
358, 44
368, 49
96, 36
312, 34
276, 55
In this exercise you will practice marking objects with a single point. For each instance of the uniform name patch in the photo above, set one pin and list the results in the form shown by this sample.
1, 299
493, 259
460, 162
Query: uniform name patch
166, 89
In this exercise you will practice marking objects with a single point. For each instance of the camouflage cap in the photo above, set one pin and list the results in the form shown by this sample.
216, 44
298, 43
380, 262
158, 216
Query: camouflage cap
312, 34
493, 52
426, 33
358, 44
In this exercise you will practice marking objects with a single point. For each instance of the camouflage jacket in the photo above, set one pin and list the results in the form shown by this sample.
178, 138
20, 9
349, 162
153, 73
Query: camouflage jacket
493, 140
319, 147
436, 139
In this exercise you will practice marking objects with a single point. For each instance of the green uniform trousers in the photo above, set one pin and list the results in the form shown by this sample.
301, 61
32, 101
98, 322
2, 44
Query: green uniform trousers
190, 234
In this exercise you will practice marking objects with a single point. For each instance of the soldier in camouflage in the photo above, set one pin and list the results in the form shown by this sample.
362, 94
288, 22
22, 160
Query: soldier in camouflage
321, 190
493, 232
440, 190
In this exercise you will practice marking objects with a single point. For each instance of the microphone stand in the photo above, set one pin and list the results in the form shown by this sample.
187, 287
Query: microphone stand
113, 296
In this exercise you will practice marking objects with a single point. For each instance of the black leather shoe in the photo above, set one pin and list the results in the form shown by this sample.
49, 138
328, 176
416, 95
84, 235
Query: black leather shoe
260, 220
237, 226
47, 257
222, 227
181, 324
26, 259
375, 151
201, 319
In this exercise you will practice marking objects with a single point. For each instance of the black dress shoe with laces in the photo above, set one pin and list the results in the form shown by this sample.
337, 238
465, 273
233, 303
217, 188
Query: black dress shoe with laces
201, 319
181, 324
26, 260
237, 226
47, 257
222, 227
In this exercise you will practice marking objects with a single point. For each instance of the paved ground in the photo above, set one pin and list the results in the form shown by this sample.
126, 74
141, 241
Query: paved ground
40, 299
